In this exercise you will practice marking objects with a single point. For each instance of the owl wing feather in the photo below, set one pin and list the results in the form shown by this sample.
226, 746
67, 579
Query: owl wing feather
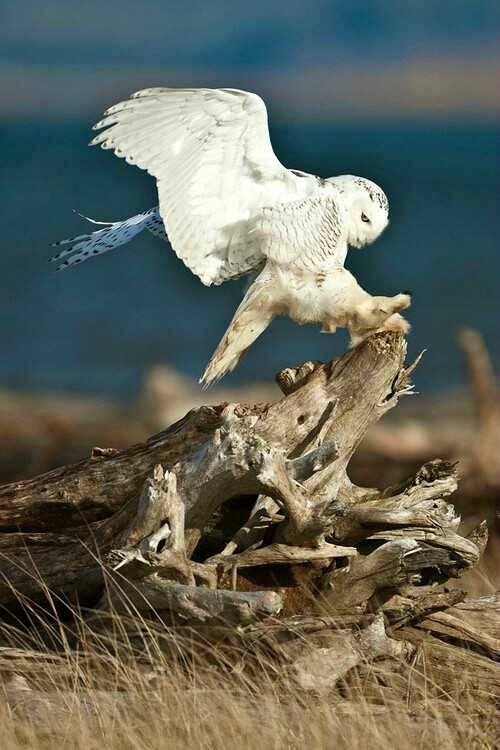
216, 172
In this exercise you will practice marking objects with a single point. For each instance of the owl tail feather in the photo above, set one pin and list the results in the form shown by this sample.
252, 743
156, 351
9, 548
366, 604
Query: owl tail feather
113, 235
252, 317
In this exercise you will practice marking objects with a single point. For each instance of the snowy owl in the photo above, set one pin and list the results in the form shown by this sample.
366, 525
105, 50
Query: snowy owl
229, 207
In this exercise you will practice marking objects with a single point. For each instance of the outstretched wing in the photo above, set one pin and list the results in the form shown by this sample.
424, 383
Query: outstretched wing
215, 168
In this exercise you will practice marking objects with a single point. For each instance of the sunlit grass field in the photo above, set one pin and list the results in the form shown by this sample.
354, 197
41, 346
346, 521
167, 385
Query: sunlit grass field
136, 684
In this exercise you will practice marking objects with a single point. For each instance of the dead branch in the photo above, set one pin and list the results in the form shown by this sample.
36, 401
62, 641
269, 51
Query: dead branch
483, 386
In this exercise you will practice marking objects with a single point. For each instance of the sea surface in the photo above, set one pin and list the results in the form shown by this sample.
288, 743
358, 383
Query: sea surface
97, 328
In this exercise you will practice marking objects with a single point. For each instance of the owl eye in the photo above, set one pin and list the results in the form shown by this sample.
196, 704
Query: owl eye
364, 217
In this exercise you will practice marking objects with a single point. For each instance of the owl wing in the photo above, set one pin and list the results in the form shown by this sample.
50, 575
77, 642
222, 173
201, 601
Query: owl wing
211, 155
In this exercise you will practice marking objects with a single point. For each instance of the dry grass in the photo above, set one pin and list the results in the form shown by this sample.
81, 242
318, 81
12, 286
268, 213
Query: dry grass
218, 710
136, 684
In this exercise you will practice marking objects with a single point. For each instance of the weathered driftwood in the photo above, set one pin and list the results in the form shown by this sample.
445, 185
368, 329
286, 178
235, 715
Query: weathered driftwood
484, 451
93, 489
454, 671
133, 532
411, 604
475, 621
319, 668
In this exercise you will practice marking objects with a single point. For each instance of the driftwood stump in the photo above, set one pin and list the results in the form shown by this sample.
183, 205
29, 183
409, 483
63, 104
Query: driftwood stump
245, 515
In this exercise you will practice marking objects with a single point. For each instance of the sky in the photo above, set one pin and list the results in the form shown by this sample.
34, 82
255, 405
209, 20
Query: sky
316, 60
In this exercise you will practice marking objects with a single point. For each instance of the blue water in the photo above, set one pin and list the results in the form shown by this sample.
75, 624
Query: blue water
98, 328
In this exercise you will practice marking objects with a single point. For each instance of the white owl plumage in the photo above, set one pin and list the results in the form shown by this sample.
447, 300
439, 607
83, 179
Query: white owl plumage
229, 207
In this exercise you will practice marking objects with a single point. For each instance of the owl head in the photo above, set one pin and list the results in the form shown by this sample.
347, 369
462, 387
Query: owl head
364, 208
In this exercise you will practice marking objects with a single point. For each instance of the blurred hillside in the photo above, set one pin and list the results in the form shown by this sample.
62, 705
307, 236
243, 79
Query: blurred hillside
66, 60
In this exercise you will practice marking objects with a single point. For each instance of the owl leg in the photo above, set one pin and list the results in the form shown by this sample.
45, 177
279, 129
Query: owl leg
375, 310
379, 313
328, 327
255, 313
